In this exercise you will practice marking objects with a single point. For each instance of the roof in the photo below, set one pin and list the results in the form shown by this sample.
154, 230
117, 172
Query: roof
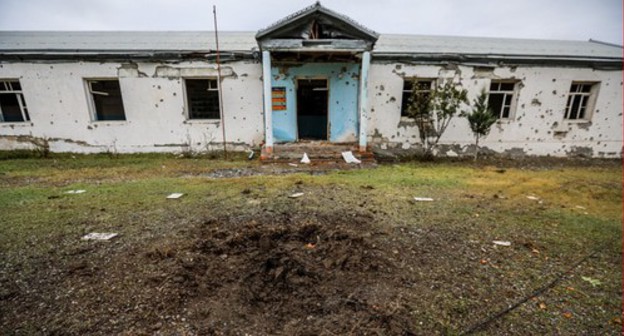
389, 45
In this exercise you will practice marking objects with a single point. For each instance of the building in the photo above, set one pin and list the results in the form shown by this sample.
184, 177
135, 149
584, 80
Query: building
313, 75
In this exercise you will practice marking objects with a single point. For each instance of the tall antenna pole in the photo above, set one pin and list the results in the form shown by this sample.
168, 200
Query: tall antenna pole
214, 11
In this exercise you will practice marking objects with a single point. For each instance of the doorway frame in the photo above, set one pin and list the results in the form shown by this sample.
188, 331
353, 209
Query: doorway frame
327, 125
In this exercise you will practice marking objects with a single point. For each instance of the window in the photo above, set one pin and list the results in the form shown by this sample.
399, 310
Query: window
106, 100
501, 99
202, 97
422, 85
12, 103
580, 100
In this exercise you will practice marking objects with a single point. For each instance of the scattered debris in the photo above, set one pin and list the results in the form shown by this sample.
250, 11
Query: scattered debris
349, 158
542, 306
423, 199
592, 281
79, 191
501, 243
567, 315
305, 158
99, 236
533, 198
251, 154
499, 196
293, 164
310, 245
483, 261
175, 195
296, 195
580, 207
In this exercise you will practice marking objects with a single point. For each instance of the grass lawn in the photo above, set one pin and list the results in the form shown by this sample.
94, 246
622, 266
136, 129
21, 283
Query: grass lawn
354, 255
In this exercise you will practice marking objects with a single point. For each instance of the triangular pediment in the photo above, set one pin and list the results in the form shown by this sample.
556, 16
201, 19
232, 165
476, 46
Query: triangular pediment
316, 26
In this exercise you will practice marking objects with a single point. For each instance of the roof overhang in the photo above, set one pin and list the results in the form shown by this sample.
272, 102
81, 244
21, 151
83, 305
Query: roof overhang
316, 28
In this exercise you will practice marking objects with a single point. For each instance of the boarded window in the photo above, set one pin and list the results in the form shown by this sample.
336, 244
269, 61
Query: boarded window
107, 102
580, 100
501, 99
422, 85
202, 98
12, 103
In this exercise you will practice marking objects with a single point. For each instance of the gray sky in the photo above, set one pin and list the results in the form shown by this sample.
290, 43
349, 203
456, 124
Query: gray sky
547, 19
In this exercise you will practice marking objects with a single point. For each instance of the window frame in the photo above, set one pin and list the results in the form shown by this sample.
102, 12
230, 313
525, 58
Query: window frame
21, 101
590, 101
187, 107
92, 108
432, 86
514, 98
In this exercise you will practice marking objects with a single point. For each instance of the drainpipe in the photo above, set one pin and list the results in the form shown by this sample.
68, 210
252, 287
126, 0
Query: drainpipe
268, 110
364, 100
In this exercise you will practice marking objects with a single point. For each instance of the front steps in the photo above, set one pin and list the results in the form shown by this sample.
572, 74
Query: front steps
318, 152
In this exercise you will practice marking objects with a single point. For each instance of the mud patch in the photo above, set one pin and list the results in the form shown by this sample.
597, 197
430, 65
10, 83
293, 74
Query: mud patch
304, 276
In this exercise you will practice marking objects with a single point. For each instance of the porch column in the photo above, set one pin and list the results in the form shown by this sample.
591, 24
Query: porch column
268, 110
364, 99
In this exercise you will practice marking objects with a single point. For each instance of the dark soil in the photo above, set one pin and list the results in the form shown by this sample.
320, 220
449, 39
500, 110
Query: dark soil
290, 274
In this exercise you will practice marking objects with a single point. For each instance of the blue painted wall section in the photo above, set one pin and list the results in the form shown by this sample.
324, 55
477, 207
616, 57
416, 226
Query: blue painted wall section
343, 81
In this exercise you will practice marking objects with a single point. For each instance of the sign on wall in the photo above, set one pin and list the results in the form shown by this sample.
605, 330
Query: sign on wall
278, 98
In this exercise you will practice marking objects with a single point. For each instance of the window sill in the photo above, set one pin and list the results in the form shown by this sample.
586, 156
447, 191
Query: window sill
202, 121
98, 123
13, 124
577, 121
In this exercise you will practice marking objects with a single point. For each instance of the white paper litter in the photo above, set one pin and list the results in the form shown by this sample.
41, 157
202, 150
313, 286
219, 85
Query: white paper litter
501, 243
305, 158
99, 236
533, 198
423, 199
175, 195
349, 158
580, 207
79, 191
293, 165
296, 195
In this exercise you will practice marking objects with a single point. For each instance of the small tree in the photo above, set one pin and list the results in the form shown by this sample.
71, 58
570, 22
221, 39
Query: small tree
481, 119
434, 110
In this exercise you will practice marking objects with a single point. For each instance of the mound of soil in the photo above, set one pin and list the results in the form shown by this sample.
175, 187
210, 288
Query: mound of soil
306, 276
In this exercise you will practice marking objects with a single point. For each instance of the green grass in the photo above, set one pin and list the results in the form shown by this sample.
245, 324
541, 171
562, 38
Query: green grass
579, 211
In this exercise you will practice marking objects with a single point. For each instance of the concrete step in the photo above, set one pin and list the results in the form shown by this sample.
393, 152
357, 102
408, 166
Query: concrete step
317, 151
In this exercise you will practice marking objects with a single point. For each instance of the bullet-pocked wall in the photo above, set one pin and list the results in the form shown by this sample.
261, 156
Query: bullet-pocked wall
343, 81
537, 125
154, 100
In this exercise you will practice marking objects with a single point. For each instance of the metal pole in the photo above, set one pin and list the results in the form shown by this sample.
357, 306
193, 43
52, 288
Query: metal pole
214, 11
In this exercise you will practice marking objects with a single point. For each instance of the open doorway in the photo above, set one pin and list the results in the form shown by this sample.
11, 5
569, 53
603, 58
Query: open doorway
312, 95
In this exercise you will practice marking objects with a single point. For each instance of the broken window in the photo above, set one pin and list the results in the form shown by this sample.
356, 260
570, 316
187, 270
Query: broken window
501, 99
12, 103
424, 86
580, 100
106, 100
202, 97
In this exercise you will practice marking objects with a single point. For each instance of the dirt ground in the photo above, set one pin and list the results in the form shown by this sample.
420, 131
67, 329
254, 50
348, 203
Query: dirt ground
265, 265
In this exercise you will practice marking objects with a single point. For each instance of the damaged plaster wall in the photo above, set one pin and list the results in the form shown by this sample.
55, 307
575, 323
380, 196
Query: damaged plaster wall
154, 102
538, 126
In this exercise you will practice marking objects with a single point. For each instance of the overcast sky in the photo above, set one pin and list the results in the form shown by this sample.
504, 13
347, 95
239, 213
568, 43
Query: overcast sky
547, 19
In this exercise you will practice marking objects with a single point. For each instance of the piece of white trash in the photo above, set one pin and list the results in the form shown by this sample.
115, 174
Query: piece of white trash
423, 199
533, 198
99, 236
175, 195
79, 191
296, 195
293, 165
349, 158
305, 158
501, 243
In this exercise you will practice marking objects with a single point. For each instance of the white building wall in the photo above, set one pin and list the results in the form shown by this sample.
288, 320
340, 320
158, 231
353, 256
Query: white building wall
538, 128
154, 102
